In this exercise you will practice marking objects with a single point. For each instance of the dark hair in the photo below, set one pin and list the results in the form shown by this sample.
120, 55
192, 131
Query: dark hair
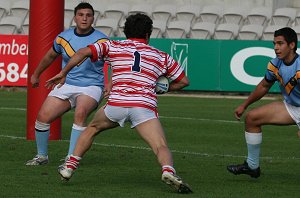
138, 26
83, 5
289, 35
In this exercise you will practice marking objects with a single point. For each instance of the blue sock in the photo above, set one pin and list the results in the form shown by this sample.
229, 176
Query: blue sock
75, 133
253, 144
253, 155
41, 139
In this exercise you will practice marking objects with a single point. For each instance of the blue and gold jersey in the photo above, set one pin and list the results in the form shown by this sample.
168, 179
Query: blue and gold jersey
87, 73
288, 77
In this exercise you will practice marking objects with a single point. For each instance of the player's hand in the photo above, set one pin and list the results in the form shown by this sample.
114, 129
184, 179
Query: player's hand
239, 112
106, 90
60, 79
35, 82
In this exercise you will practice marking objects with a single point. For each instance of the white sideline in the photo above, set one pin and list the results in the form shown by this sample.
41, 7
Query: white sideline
173, 151
166, 117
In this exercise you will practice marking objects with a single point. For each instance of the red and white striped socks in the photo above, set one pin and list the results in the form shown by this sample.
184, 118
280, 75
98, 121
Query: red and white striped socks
73, 162
168, 169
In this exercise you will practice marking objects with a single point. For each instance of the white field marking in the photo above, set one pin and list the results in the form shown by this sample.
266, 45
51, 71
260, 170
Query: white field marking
166, 117
201, 119
173, 151
9, 108
201, 95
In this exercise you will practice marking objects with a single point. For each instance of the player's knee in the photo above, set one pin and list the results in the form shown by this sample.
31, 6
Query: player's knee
41, 126
251, 119
80, 116
43, 117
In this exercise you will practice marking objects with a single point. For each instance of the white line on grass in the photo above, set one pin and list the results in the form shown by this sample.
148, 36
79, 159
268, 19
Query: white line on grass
173, 151
9, 108
201, 119
165, 117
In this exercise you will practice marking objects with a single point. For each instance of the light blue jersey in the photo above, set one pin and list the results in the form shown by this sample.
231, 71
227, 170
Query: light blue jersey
288, 77
87, 73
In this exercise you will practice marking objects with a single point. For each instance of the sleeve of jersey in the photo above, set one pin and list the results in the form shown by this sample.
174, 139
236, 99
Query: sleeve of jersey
99, 51
57, 45
271, 73
175, 72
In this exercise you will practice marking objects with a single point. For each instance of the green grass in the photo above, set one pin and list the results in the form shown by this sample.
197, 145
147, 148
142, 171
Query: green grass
201, 132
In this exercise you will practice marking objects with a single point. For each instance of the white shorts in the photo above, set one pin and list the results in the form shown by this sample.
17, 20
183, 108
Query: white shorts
71, 92
134, 115
294, 112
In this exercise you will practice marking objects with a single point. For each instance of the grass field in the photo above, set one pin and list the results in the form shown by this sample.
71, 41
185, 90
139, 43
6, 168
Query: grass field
201, 132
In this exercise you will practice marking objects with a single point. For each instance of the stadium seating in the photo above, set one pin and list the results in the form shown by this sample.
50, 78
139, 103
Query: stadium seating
297, 19
68, 22
234, 15
210, 13
202, 20
20, 9
99, 7
2, 12
297, 30
119, 32
5, 5
250, 32
164, 12
142, 8
116, 11
25, 26
177, 29
268, 33
226, 31
187, 13
10, 25
159, 28
259, 15
202, 30
283, 16
107, 25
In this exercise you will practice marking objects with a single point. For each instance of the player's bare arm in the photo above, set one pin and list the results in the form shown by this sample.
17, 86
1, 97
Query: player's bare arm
74, 61
261, 90
47, 60
179, 85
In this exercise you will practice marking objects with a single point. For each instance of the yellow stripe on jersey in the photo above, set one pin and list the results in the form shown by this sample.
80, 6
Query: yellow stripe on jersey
288, 88
292, 83
101, 40
274, 69
66, 46
298, 75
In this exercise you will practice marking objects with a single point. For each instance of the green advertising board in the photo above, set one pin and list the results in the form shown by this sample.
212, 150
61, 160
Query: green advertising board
220, 65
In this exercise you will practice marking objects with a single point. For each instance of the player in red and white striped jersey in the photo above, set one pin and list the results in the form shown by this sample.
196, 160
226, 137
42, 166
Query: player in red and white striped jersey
135, 67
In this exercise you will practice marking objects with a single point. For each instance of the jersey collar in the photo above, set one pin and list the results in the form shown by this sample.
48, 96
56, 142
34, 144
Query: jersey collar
139, 40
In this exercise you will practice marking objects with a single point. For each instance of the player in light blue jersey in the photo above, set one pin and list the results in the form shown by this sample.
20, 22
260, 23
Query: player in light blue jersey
84, 85
285, 69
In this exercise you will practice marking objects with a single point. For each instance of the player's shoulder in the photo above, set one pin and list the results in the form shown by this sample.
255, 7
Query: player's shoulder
66, 34
297, 60
100, 34
276, 62
158, 51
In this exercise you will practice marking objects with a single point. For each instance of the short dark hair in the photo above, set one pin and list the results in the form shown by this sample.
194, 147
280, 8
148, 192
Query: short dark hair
83, 5
289, 35
138, 26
